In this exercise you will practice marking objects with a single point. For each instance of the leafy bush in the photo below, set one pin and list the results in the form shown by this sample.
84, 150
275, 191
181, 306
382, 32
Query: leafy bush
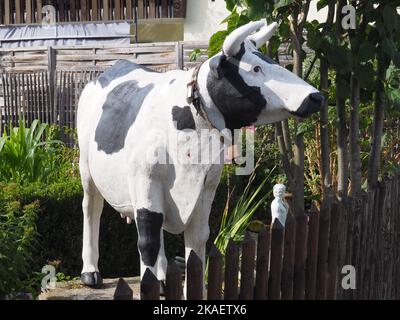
24, 156
17, 242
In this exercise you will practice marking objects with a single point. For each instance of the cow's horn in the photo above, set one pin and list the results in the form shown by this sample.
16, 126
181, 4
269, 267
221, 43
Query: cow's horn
262, 36
233, 41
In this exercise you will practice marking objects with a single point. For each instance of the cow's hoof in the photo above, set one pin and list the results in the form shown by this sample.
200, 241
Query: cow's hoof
92, 279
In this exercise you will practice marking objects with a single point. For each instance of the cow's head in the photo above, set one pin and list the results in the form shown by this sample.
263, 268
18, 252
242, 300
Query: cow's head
249, 88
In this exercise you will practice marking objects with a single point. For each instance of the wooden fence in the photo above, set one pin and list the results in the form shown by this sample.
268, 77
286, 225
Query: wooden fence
304, 259
45, 83
30, 11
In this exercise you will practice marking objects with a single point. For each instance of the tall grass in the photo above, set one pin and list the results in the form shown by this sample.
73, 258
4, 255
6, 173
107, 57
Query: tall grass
234, 222
26, 155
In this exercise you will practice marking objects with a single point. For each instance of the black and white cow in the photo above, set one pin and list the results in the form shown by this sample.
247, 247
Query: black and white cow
128, 110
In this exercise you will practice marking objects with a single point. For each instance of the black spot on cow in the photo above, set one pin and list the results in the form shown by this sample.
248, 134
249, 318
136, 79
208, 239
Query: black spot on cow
119, 113
149, 225
119, 69
172, 81
265, 58
239, 103
183, 118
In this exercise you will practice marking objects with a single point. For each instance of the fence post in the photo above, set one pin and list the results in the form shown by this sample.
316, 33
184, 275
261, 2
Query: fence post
194, 273
231, 271
288, 258
300, 257
322, 275
311, 267
51, 67
277, 235
247, 269
179, 55
333, 250
123, 291
215, 260
262, 272
149, 286
173, 283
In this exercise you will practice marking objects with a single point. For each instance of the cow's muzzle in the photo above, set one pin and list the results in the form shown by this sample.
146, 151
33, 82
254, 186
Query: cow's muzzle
311, 104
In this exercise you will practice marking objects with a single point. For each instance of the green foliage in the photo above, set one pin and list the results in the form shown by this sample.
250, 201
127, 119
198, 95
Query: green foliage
25, 157
194, 55
236, 220
17, 241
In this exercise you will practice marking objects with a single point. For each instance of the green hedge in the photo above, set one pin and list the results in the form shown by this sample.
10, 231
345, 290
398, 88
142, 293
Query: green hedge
59, 228
58, 221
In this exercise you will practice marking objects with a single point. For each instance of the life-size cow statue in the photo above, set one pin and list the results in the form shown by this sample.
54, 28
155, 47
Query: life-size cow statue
116, 117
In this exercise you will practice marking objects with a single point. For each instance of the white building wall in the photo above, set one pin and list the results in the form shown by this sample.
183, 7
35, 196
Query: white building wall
203, 18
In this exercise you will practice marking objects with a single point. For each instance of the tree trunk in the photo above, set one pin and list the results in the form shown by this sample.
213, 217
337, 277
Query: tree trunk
342, 149
376, 144
354, 136
324, 132
298, 160
343, 168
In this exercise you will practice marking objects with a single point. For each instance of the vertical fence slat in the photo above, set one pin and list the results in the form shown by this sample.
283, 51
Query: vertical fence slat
61, 10
152, 9
323, 243
333, 251
84, 10
18, 19
215, 261
140, 9
149, 286
28, 9
300, 257
14, 99
117, 10
2, 13
95, 10
195, 277
129, 12
173, 288
164, 8
72, 10
123, 291
275, 274
106, 10
262, 268
288, 258
247, 268
231, 271
312, 255
7, 12
39, 11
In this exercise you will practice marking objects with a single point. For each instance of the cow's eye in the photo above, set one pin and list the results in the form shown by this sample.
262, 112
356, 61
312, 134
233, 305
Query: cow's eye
257, 69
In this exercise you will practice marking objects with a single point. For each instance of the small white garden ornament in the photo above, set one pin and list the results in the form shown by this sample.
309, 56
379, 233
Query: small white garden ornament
279, 207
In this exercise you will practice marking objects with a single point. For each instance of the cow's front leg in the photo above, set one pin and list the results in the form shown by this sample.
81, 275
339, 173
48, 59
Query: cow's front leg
151, 242
149, 215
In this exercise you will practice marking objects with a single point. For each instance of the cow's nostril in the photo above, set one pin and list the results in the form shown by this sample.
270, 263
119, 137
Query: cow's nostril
317, 97
311, 104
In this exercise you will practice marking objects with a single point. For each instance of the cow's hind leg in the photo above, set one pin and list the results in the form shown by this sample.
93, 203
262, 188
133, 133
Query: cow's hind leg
196, 235
92, 207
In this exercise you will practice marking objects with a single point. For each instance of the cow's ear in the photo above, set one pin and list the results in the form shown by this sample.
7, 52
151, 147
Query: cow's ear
215, 65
